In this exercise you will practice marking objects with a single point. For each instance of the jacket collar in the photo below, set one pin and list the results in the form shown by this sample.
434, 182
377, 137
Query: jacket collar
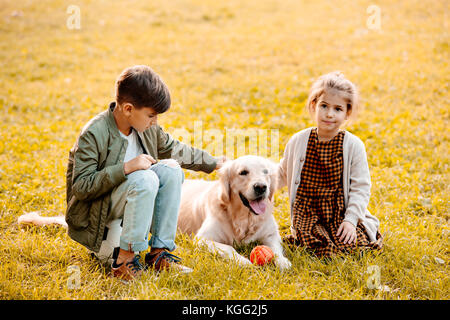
111, 122
115, 131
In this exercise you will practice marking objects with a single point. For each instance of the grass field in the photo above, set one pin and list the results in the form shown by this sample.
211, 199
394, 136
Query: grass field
233, 64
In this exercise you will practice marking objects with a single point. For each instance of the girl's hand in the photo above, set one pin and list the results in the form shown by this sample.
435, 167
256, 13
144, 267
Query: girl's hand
141, 162
347, 232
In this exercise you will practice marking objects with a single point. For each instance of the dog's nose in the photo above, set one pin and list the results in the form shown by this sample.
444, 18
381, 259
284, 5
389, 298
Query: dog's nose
259, 188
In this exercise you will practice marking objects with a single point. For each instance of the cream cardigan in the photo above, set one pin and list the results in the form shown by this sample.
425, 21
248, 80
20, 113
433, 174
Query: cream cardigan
356, 178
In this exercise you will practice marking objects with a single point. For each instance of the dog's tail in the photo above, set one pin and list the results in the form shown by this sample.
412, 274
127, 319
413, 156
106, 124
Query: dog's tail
34, 218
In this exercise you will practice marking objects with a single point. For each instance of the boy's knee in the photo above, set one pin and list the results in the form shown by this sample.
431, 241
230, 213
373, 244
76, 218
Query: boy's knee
145, 179
170, 170
170, 163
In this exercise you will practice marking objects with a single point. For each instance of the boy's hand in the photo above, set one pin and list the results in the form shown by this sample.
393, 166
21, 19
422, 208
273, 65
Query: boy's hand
347, 232
220, 162
141, 162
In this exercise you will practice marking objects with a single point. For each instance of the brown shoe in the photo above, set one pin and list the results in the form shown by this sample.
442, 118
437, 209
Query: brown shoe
127, 270
163, 260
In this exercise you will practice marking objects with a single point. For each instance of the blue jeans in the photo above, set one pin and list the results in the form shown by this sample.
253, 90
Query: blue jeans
149, 201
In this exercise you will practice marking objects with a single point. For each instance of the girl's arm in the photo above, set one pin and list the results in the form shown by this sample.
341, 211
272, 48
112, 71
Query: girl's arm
281, 170
359, 185
281, 174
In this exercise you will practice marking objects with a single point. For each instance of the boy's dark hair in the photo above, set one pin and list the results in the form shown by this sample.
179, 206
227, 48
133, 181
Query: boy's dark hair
142, 87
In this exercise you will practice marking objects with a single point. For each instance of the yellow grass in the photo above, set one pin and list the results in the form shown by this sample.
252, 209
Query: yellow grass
233, 64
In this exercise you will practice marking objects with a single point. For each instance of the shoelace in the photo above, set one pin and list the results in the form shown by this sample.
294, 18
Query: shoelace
169, 256
135, 264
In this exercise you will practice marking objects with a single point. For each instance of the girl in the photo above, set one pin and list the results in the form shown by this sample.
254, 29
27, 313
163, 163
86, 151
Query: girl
328, 177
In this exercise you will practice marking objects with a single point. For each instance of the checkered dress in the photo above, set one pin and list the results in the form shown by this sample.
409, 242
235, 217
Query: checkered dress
318, 208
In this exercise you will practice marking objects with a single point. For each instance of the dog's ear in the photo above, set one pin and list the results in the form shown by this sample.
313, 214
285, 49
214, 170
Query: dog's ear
225, 189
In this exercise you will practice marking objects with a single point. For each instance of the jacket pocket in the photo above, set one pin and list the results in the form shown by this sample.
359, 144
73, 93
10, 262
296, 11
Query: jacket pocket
77, 215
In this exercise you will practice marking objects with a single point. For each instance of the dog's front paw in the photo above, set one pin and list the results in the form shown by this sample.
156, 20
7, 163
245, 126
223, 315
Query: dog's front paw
243, 261
282, 263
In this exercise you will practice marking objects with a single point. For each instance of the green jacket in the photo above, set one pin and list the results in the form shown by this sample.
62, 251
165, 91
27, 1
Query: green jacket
95, 168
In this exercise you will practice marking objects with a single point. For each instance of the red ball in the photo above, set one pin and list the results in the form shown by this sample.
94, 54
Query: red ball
261, 255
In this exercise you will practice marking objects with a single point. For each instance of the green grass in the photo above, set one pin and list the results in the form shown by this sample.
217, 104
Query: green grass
237, 64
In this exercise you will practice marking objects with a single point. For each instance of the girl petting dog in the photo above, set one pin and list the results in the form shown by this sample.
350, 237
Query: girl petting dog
328, 177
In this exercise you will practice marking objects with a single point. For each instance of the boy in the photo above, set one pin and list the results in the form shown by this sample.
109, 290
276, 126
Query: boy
113, 173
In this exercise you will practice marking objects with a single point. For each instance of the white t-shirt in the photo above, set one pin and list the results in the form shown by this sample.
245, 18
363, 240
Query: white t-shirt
133, 149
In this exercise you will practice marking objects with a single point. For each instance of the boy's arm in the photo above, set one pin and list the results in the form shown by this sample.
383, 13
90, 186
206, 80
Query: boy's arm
89, 182
189, 157
359, 188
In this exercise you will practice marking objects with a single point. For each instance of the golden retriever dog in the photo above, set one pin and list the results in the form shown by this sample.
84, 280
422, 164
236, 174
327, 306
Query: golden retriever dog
237, 208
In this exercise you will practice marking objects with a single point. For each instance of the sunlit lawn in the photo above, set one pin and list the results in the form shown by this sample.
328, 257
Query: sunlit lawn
233, 64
